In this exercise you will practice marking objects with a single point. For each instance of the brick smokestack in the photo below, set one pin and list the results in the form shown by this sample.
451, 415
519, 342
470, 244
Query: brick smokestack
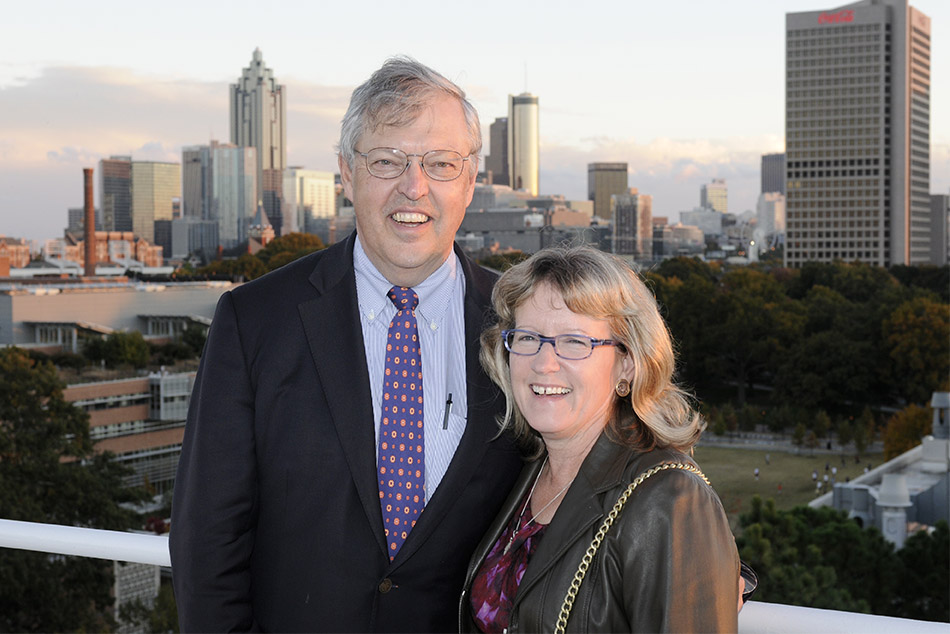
89, 213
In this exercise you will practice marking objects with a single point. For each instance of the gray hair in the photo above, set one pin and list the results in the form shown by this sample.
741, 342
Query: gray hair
395, 95
599, 285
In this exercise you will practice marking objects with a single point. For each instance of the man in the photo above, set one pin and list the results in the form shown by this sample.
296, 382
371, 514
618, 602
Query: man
282, 515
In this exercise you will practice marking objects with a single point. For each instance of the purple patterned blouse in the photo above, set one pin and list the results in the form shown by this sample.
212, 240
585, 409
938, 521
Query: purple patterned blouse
495, 585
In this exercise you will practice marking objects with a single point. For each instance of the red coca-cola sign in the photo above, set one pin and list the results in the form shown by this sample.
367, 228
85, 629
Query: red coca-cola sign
836, 18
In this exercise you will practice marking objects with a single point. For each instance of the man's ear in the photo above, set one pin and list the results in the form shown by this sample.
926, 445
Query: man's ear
346, 176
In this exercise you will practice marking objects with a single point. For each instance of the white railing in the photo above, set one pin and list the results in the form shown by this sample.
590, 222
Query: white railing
757, 617
141, 548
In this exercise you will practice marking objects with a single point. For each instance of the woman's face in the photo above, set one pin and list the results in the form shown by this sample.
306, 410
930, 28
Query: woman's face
563, 400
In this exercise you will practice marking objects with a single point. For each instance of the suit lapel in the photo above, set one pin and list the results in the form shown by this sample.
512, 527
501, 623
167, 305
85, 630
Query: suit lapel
335, 337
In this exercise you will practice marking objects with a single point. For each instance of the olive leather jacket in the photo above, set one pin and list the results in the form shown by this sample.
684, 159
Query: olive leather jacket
668, 564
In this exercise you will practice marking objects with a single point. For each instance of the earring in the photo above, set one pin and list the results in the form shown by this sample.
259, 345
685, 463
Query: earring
622, 388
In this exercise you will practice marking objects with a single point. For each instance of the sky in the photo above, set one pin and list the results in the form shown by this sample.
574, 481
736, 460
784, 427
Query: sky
683, 91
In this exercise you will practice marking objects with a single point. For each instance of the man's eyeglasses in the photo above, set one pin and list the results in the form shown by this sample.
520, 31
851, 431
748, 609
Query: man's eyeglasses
439, 165
571, 347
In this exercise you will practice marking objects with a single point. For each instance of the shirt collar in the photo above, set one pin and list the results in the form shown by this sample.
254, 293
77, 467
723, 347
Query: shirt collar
435, 292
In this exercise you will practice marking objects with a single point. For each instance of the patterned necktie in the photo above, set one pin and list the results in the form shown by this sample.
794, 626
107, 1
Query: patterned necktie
402, 474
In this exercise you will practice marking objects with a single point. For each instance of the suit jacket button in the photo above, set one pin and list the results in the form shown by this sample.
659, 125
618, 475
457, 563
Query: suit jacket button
385, 585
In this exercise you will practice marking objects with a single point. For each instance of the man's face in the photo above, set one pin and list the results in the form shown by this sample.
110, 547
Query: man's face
407, 224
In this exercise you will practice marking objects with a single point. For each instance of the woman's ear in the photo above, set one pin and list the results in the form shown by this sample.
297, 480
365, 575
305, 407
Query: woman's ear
627, 367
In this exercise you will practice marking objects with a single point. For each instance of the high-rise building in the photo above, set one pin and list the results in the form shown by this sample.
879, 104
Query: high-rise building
76, 219
715, 195
603, 181
259, 120
773, 173
524, 152
857, 132
770, 213
308, 195
497, 161
632, 216
155, 186
940, 229
115, 193
220, 183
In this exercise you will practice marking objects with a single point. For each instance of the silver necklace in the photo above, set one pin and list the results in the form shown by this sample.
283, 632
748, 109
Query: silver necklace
517, 529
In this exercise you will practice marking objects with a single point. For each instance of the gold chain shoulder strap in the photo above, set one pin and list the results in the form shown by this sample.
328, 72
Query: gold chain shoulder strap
599, 536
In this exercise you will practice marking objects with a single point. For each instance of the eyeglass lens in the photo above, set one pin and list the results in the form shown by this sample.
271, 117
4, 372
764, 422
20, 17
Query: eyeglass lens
441, 165
572, 347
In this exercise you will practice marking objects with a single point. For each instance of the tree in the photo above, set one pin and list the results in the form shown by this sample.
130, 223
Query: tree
916, 336
684, 268
161, 617
51, 474
828, 371
822, 424
246, 267
503, 261
905, 430
119, 348
864, 431
743, 335
845, 431
288, 248
821, 558
798, 435
194, 337
926, 565
933, 278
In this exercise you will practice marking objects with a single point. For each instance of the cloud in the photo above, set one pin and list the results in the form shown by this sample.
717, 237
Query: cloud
67, 118
61, 119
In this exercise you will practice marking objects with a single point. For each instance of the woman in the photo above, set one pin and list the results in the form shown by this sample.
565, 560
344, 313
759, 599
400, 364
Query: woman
586, 363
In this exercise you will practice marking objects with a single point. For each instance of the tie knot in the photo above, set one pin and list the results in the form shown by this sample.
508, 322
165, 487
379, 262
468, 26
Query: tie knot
403, 298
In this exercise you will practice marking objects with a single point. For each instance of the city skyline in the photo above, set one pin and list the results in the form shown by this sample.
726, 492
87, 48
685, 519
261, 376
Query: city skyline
681, 103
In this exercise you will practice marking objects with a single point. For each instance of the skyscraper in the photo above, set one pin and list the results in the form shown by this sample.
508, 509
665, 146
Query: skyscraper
308, 195
497, 161
155, 186
115, 193
770, 213
632, 216
603, 181
940, 229
258, 120
773, 173
715, 195
524, 153
857, 131
220, 183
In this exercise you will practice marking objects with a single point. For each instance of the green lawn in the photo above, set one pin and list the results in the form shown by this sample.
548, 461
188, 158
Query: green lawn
731, 472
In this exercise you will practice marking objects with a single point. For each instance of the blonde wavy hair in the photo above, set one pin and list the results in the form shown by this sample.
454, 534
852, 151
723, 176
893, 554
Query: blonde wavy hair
657, 413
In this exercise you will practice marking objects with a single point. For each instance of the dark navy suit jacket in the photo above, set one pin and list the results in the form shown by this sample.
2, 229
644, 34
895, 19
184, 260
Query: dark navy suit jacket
276, 522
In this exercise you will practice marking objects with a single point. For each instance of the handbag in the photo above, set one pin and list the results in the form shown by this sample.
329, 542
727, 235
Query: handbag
571, 595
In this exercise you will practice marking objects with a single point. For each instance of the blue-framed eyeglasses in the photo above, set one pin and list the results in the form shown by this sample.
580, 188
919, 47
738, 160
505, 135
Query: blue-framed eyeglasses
439, 165
570, 347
